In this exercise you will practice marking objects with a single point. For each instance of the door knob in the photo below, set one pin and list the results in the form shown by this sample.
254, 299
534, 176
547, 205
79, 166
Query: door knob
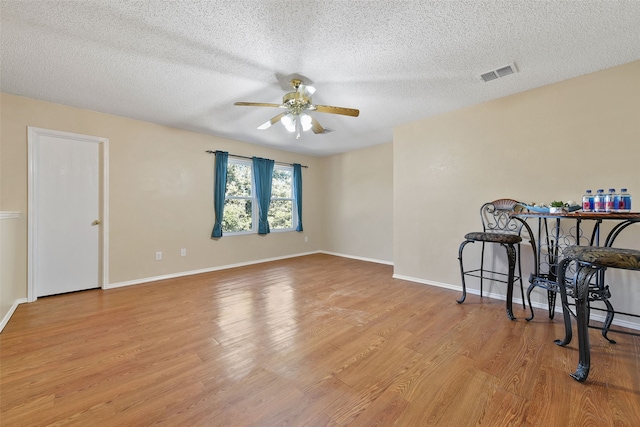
96, 222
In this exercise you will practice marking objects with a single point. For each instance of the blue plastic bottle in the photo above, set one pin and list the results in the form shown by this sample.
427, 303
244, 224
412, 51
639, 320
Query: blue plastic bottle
625, 201
610, 204
598, 201
587, 201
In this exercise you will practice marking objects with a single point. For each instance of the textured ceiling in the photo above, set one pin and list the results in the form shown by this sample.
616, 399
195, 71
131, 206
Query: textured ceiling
184, 63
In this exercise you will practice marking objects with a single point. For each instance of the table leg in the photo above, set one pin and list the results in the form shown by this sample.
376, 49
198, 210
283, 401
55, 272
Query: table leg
551, 299
608, 321
529, 289
566, 313
511, 256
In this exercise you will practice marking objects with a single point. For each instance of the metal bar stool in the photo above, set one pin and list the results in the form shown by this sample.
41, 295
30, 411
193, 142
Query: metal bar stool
589, 261
497, 227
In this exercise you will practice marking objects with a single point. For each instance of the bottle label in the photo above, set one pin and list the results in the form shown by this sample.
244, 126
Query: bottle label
586, 206
609, 205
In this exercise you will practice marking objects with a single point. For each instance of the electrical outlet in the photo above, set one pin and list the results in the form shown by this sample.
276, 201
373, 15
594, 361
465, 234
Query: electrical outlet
306, 239
183, 252
158, 256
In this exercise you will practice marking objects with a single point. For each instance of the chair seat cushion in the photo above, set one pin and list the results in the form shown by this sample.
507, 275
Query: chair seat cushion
493, 237
628, 259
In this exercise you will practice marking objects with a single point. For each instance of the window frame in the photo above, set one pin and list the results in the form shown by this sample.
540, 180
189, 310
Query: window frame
294, 211
254, 212
254, 200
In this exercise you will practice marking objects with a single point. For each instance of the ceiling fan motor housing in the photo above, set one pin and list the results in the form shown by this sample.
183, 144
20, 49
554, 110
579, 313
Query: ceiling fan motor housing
297, 102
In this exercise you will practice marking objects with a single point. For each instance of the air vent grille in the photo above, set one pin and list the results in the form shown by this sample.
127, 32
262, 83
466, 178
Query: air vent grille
487, 77
498, 72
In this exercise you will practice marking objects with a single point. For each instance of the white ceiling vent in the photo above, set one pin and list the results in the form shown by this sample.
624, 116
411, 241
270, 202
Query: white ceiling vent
499, 72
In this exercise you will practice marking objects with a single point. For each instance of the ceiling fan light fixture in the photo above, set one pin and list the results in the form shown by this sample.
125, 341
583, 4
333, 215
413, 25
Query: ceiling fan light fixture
289, 122
305, 121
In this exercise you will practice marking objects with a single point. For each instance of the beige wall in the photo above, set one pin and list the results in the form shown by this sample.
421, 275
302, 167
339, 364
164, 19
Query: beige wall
409, 202
358, 203
12, 268
160, 183
545, 144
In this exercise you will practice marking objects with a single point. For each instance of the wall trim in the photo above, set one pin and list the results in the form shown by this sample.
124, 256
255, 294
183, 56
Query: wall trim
9, 215
377, 261
13, 308
228, 266
203, 270
543, 306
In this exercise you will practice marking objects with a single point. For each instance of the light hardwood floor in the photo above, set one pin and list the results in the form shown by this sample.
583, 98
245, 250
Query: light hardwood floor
311, 341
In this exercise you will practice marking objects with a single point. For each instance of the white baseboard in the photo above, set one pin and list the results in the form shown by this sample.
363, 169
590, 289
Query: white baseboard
226, 267
543, 306
204, 270
432, 283
7, 316
377, 261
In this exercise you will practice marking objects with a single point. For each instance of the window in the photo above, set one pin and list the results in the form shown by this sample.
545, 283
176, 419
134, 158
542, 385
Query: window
239, 215
281, 211
241, 208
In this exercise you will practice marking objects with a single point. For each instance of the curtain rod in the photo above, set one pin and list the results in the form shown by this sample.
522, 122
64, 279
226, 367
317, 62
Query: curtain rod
245, 157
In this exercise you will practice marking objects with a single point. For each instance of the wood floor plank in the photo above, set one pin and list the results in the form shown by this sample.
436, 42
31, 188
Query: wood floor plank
549, 396
317, 340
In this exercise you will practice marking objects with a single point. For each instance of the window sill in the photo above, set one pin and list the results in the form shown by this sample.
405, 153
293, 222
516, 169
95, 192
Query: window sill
245, 233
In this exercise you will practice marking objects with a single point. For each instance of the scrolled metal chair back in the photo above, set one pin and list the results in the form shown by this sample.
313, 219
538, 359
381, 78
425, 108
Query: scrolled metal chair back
496, 216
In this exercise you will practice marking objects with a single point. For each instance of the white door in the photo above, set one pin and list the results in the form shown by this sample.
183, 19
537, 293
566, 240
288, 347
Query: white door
65, 214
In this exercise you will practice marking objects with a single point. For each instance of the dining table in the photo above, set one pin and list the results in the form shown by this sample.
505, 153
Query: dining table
559, 231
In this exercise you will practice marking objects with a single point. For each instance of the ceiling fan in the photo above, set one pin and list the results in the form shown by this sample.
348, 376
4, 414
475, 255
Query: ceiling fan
297, 104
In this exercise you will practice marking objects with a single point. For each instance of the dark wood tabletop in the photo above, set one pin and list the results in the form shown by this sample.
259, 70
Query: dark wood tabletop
620, 216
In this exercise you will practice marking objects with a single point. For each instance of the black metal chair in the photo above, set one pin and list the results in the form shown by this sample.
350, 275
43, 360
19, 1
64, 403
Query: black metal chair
590, 260
497, 227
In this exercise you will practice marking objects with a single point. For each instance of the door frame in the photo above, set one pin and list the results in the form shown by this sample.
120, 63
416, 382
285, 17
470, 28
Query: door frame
103, 262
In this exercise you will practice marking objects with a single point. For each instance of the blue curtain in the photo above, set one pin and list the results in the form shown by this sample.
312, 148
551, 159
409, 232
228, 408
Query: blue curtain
262, 176
297, 192
219, 190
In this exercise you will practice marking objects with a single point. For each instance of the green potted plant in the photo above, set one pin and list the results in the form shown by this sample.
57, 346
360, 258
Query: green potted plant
556, 207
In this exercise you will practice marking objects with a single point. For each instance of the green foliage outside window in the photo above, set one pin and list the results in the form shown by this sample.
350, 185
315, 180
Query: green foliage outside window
237, 216
281, 209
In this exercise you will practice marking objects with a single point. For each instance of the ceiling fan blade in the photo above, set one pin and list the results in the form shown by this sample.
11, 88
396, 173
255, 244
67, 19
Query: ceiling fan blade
316, 127
306, 91
337, 110
257, 104
273, 121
